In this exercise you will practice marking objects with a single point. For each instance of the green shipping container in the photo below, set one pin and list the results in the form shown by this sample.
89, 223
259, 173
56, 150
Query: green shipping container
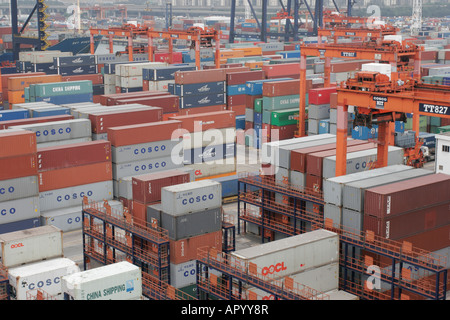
60, 88
443, 129
422, 124
281, 117
258, 105
281, 102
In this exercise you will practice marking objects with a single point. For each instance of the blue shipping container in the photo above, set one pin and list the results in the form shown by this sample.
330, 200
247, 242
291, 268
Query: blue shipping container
209, 153
76, 70
324, 126
236, 89
164, 73
14, 114
73, 98
50, 112
240, 122
19, 225
201, 100
257, 118
200, 88
364, 133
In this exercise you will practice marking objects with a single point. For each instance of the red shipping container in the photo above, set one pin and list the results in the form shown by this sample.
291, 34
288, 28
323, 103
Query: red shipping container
126, 202
248, 125
17, 143
281, 88
314, 161
95, 78
400, 197
139, 212
102, 121
142, 133
281, 70
313, 184
242, 77
185, 250
320, 95
168, 103
209, 120
177, 57
18, 166
109, 99
250, 100
236, 100
410, 223
199, 76
75, 154
299, 156
276, 133
75, 176
147, 187
184, 112
333, 100
239, 109
166, 116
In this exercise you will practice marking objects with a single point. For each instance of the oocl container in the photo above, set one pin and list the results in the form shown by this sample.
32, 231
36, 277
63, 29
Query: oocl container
117, 281
293, 254
44, 275
191, 197
31, 245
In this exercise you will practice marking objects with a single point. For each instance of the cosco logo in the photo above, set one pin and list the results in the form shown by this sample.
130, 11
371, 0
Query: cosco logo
197, 199
76, 220
363, 165
52, 132
150, 166
74, 196
149, 149
4, 190
41, 283
4, 212
17, 245
275, 268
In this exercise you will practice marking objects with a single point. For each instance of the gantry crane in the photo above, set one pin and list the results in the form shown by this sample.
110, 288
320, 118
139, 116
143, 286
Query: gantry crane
381, 100
198, 36
403, 57
364, 33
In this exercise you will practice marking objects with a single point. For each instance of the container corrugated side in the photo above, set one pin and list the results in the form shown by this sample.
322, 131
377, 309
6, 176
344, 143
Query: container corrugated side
145, 166
142, 151
16, 143
24, 187
19, 209
191, 197
31, 245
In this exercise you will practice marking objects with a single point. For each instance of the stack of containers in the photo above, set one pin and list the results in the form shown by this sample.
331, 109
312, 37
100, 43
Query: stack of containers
158, 78
17, 85
59, 132
319, 110
4, 84
19, 191
143, 148
62, 92
10, 123
62, 207
200, 90
146, 191
40, 61
295, 257
236, 89
42, 109
416, 211
192, 214
333, 118
128, 77
98, 87
75, 65
209, 143
37, 263
280, 108
254, 95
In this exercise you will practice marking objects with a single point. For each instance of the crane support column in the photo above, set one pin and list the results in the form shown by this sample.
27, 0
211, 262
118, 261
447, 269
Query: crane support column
384, 134
217, 44
150, 48
327, 72
302, 96
341, 140
130, 47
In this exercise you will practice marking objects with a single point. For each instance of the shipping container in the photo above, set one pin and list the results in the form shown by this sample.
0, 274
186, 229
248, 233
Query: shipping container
186, 249
210, 153
236, 78
397, 198
142, 151
167, 103
147, 188
198, 76
281, 88
19, 225
7, 124
19, 209
126, 169
17, 188
205, 121
293, 254
17, 143
117, 281
213, 168
18, 166
31, 245
71, 155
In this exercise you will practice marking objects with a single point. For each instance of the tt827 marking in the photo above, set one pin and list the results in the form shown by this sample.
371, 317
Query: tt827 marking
434, 109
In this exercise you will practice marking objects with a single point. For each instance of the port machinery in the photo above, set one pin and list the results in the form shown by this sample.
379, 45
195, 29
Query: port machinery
199, 37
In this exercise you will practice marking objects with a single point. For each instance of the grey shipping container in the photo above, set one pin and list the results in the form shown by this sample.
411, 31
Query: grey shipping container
361, 161
333, 187
18, 188
181, 226
319, 112
354, 192
19, 209
73, 196
144, 166
144, 151
191, 197
59, 130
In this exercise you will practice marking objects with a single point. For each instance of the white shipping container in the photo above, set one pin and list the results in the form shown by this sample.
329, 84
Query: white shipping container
212, 168
293, 254
135, 69
73, 196
383, 68
131, 82
31, 245
337, 295
191, 197
162, 85
118, 281
45, 275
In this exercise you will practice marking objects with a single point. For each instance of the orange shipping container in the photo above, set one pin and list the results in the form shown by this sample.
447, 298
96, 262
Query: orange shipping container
186, 249
20, 83
75, 176
16, 97
17, 143
19, 166
5, 78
